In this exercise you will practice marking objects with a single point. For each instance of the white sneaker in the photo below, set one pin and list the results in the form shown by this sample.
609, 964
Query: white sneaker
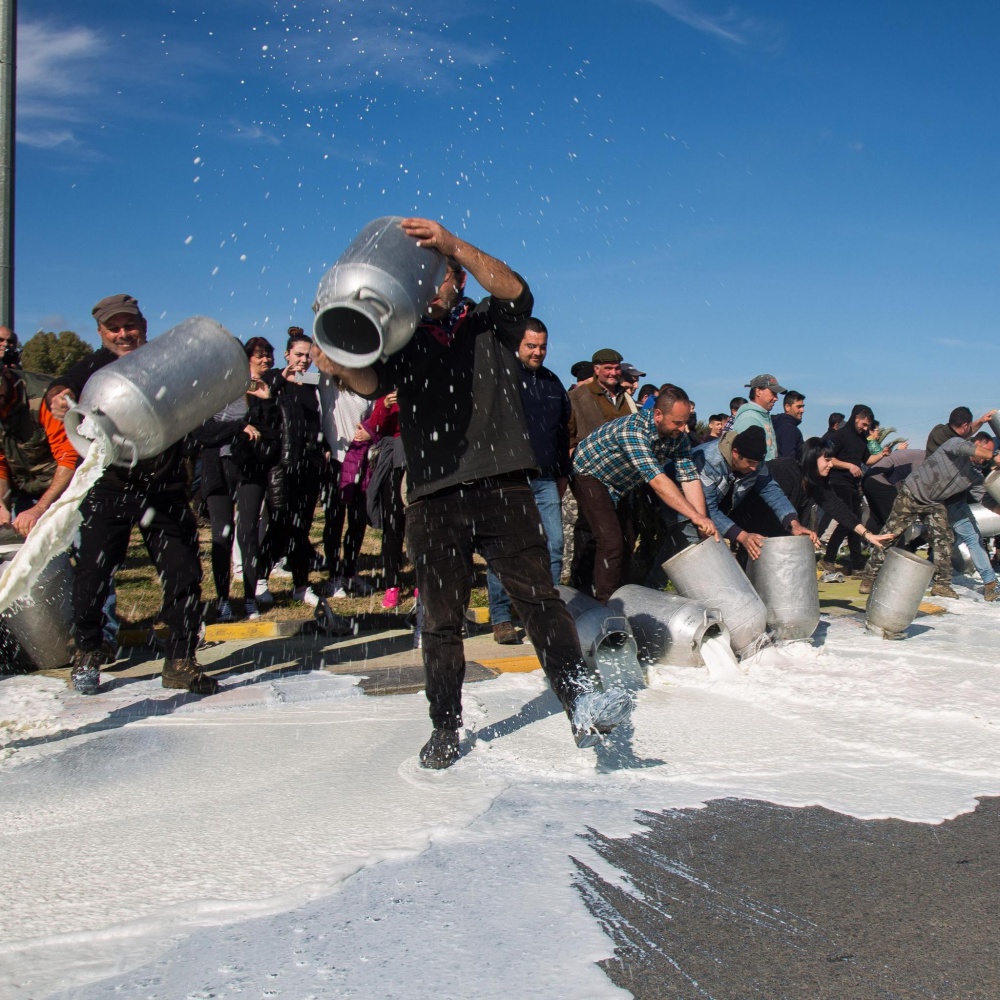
306, 595
334, 587
596, 713
250, 606
264, 596
224, 612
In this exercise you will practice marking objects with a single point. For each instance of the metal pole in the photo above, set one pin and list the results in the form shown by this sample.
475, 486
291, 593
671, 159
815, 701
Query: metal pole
8, 91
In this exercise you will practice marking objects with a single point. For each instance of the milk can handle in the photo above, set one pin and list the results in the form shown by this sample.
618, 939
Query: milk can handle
380, 304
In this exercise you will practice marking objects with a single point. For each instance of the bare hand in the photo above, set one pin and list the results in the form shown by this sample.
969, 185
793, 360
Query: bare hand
60, 403
798, 529
361, 435
259, 389
753, 543
705, 526
390, 399
4, 516
880, 540
251, 432
26, 520
855, 471
325, 364
431, 234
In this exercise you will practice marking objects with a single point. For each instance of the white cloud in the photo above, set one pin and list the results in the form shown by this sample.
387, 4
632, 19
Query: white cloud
47, 138
55, 66
731, 26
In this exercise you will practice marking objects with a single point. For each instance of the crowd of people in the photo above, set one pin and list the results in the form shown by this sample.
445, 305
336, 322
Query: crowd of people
462, 442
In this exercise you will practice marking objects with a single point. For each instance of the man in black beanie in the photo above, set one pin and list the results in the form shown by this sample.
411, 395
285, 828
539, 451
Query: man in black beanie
733, 470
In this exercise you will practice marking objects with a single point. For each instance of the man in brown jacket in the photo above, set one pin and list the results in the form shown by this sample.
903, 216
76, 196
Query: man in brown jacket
592, 404
600, 400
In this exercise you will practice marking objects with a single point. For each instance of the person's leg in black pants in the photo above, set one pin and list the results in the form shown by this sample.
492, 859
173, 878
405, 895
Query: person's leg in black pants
171, 537
108, 517
393, 524
249, 500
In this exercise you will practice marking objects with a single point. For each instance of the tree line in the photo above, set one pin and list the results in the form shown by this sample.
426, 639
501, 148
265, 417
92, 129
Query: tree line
53, 354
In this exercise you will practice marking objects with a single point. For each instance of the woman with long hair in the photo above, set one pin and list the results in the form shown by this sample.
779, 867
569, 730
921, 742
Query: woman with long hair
817, 460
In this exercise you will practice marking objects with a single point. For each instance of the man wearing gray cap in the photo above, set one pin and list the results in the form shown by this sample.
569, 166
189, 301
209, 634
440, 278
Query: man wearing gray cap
629, 378
151, 494
764, 390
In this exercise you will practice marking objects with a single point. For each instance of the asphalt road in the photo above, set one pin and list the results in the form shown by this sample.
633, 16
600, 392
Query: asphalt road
748, 899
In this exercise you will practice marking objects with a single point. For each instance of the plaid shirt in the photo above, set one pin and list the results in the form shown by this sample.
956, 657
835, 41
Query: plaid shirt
629, 451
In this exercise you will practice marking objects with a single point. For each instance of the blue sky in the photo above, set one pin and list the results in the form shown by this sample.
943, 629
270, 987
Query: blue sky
717, 190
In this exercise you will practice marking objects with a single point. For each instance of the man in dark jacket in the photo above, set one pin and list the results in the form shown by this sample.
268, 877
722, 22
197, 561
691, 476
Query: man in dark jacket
787, 425
468, 458
150, 494
546, 411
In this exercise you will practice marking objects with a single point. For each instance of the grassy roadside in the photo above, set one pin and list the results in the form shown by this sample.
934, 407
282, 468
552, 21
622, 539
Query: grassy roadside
139, 595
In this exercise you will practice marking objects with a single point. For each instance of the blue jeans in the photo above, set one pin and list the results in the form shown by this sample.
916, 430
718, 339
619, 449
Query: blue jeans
550, 508
964, 527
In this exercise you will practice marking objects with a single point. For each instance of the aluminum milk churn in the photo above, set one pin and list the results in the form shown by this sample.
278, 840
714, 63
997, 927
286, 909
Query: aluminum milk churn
370, 302
784, 575
667, 628
150, 398
897, 591
708, 573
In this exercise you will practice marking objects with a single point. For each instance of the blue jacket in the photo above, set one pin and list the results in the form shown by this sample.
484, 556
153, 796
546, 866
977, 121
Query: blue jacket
714, 461
546, 412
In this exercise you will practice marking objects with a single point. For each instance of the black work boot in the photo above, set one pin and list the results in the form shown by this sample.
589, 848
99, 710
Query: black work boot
85, 675
441, 750
186, 674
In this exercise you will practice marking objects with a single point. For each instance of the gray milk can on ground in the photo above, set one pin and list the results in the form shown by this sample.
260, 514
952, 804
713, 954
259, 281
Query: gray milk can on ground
606, 639
708, 573
370, 302
897, 591
784, 576
667, 628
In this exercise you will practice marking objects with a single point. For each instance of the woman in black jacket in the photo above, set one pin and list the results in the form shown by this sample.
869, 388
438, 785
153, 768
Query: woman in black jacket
817, 460
236, 443
300, 466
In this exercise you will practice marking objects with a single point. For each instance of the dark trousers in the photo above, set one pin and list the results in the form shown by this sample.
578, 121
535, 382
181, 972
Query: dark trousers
288, 529
499, 520
170, 533
880, 497
245, 500
851, 495
614, 530
342, 557
393, 525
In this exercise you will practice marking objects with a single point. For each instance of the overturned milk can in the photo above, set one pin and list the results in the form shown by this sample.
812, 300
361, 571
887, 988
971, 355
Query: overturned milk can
42, 625
897, 592
370, 302
149, 399
667, 628
606, 639
708, 573
784, 576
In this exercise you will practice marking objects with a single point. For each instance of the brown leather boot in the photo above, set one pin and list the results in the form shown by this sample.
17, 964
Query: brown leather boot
186, 674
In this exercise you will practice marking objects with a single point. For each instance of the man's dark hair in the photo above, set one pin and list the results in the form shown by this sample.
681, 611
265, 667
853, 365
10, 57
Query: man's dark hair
960, 415
860, 410
792, 397
535, 326
736, 402
719, 416
647, 389
668, 395
258, 345
983, 436
834, 421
